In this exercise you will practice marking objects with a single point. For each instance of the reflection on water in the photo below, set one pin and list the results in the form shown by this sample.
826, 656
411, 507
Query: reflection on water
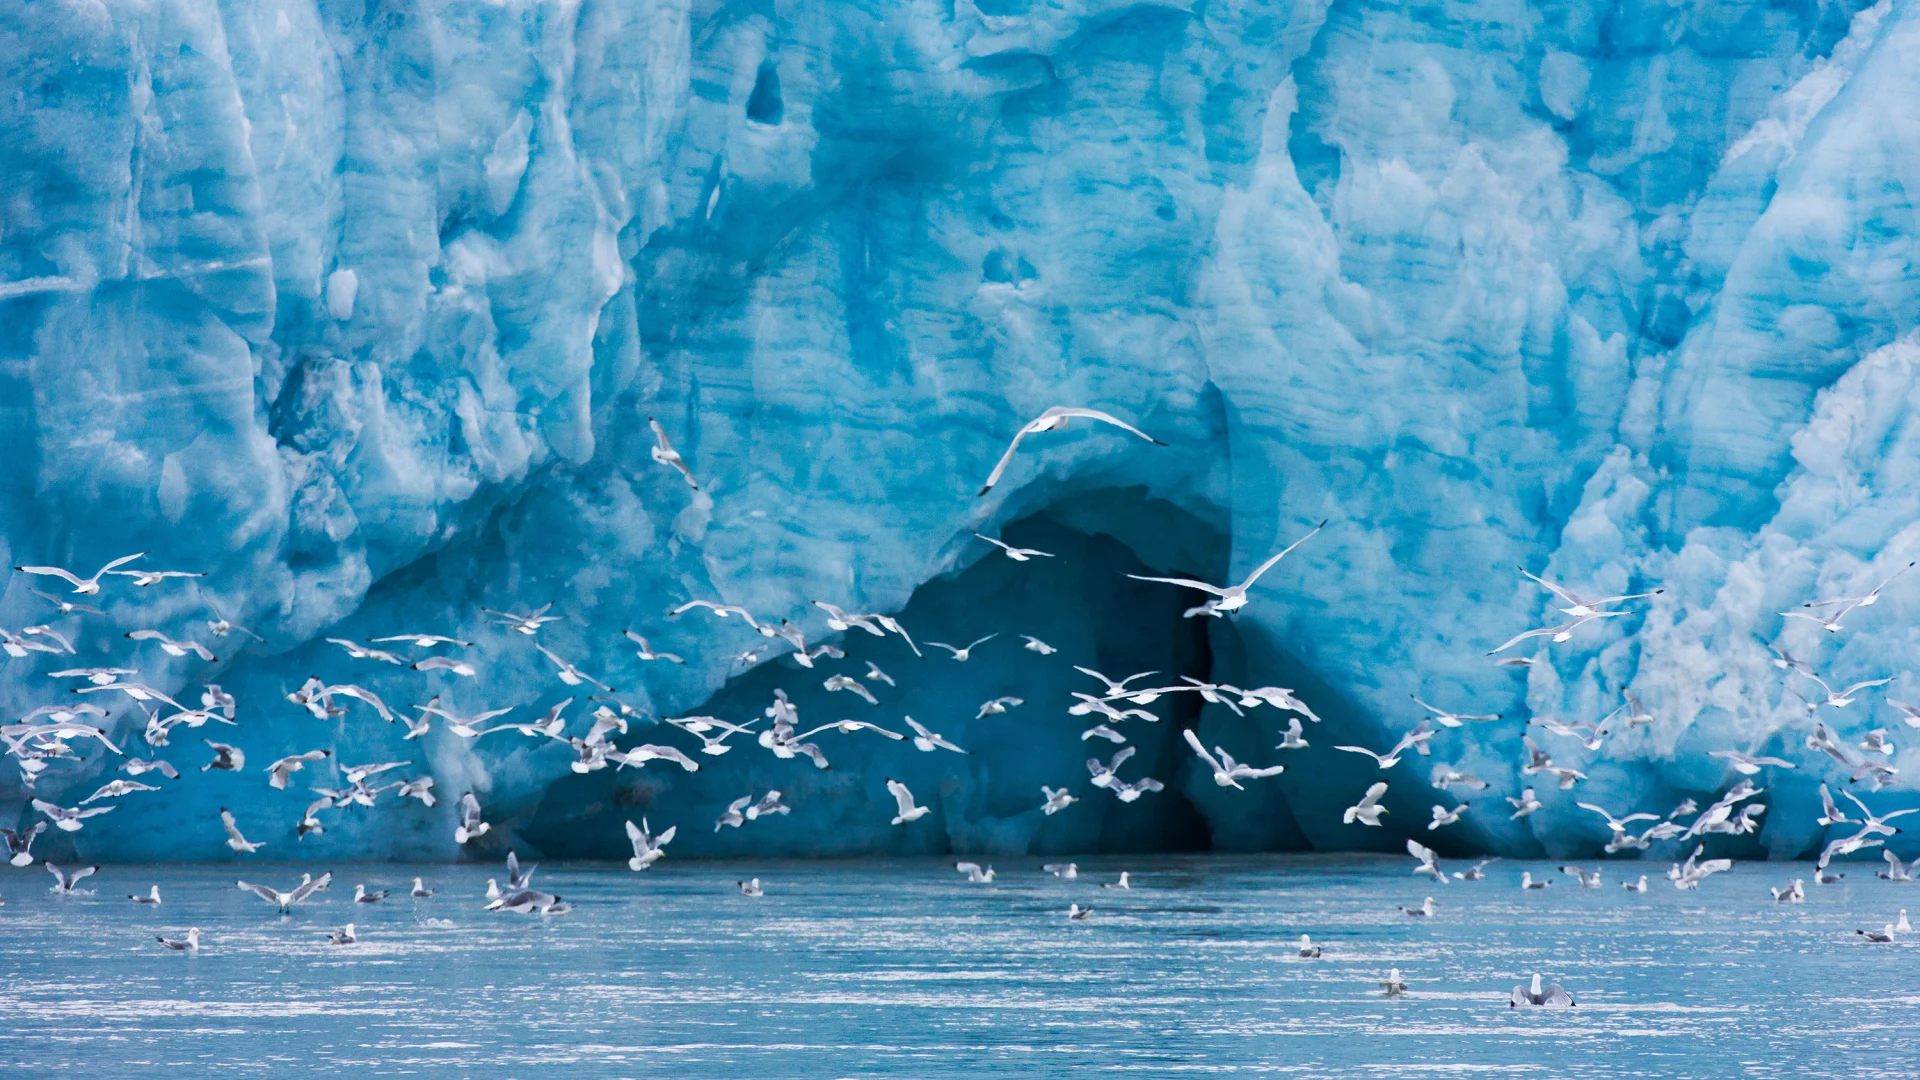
903, 969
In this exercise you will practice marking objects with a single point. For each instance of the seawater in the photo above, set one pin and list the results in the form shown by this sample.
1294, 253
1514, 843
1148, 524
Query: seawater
900, 968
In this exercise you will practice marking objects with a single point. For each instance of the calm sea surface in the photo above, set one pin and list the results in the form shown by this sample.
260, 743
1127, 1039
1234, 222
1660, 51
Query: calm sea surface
903, 969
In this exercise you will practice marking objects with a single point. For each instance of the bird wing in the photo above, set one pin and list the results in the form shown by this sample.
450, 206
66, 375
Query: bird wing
1378, 758
901, 795
1420, 851
1864, 685
1105, 418
996, 543
1120, 757
1518, 638
1556, 590
1194, 741
919, 728
1188, 582
943, 645
1373, 794
313, 886
996, 634
226, 819
1268, 565
53, 571
1000, 467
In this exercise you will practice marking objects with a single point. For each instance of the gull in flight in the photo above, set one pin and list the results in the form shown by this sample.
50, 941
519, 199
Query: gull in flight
1386, 761
68, 819
190, 943
279, 771
663, 451
1897, 870
1368, 810
463, 726
1524, 805
1552, 997
1580, 608
470, 824
99, 676
1056, 800
569, 674
928, 741
286, 900
65, 607
1747, 764
724, 610
1450, 719
1875, 742
422, 641
1589, 736
874, 672
1119, 689
1845, 604
139, 766
1692, 874
1226, 771
1845, 697
1233, 597
144, 578
647, 848
225, 758
1017, 554
1294, 738
1429, 862
1102, 731
528, 624
219, 627
850, 727
646, 752
1054, 419
113, 789
962, 655
735, 815
1127, 793
975, 874
1478, 872
1618, 826
851, 684
357, 651
64, 882
1444, 816
908, 811
1308, 950
236, 841
83, 586
997, 706
1869, 823
445, 663
20, 843
1556, 633
646, 651
1425, 910
152, 898
769, 804
1103, 774
1034, 644
172, 647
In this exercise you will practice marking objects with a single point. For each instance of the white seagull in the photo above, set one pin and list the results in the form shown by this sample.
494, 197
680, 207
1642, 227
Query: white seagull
83, 586
1034, 644
470, 824
68, 819
908, 811
663, 451
1581, 608
1056, 800
647, 848
285, 900
236, 841
1017, 554
172, 647
1368, 810
1226, 771
929, 741
1054, 419
1451, 719
1232, 597
646, 651
962, 655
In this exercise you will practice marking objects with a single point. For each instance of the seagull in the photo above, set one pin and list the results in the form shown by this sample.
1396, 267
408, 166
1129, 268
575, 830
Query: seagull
172, 647
1903, 926
1618, 826
849, 727
420, 788
1127, 793
647, 848
1393, 985
1872, 825
1443, 816
734, 816
1589, 736
362, 896
1103, 775
1123, 883
1849, 603
1119, 688
1034, 644
20, 843
1386, 761
527, 901
646, 651
139, 766
225, 758
1793, 893
1429, 861
1748, 765
1076, 913
1691, 874
570, 674
190, 943
974, 874
1635, 886
1553, 997
852, 685
528, 624
1451, 719
1056, 800
1524, 805
1294, 738
1878, 937
65, 607
99, 676
280, 770
769, 804
68, 819
1586, 880
724, 610
115, 788
343, 936
422, 641
446, 663
463, 726
1102, 731
1447, 776
470, 824
997, 706
1875, 742
1063, 871
83, 586
663, 451
1478, 872
1054, 419
1368, 810
1308, 950
929, 741
752, 888
1527, 882
1226, 771
1845, 697
1556, 633
144, 578
236, 841
1425, 910
962, 655
152, 898
1232, 597
420, 890
357, 651
1015, 553
64, 882
908, 811
646, 752
1579, 608
286, 900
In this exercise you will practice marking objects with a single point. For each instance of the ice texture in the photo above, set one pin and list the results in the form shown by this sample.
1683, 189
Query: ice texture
362, 309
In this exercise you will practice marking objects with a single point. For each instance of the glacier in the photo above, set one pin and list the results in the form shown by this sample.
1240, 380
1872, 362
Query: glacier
362, 310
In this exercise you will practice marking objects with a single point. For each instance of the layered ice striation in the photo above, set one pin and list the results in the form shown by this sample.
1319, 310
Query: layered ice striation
363, 309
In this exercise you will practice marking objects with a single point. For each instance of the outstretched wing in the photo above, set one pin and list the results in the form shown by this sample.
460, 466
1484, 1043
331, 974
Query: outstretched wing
1268, 565
1194, 741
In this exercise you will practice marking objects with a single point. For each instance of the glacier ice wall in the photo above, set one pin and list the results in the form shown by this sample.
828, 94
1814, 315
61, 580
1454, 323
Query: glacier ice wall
362, 309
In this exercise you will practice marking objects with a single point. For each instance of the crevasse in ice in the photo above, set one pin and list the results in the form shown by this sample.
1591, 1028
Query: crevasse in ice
363, 310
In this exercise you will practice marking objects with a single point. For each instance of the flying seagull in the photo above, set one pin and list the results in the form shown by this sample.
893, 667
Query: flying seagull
664, 453
1232, 597
84, 586
1017, 554
1053, 420
908, 811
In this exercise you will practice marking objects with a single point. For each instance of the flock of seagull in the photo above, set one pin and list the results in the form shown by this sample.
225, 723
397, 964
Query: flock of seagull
49, 734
